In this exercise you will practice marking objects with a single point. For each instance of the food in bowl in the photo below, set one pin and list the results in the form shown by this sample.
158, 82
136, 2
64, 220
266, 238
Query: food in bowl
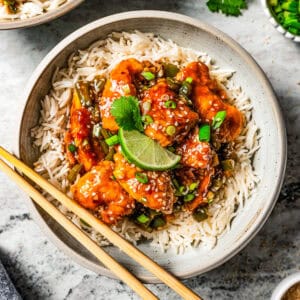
287, 14
23, 9
152, 137
293, 293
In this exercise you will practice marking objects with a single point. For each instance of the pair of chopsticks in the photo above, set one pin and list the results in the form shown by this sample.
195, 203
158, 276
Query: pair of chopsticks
97, 224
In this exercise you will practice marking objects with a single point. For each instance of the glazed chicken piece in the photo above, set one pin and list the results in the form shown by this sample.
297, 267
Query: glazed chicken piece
97, 189
89, 151
156, 193
209, 98
193, 152
172, 118
196, 159
187, 176
120, 83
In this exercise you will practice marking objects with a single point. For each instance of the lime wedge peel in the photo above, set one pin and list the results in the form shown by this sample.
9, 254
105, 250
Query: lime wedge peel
145, 152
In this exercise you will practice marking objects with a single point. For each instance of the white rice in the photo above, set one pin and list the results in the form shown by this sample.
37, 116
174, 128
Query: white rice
30, 8
183, 232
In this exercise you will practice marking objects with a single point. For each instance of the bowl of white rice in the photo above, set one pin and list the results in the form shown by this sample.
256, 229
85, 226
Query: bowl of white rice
26, 13
186, 248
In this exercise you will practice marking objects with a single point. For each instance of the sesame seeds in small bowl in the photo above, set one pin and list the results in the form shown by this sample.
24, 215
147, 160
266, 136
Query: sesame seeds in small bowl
284, 17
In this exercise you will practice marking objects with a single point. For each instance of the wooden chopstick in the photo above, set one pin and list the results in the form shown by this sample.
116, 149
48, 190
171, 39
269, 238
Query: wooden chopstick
70, 227
102, 228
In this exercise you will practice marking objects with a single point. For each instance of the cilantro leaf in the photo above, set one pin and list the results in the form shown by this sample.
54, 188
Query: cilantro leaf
227, 7
127, 113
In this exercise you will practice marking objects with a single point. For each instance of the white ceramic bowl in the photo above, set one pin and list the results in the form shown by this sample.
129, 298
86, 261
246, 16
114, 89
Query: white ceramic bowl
269, 161
284, 285
40, 19
277, 25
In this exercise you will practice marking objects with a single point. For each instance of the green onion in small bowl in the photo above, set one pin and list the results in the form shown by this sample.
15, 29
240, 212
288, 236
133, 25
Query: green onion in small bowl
285, 16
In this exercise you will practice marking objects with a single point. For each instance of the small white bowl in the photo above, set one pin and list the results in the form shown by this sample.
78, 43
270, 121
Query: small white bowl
40, 19
277, 25
284, 285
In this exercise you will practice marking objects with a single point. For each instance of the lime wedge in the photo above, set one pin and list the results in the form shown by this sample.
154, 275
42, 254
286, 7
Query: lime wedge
145, 152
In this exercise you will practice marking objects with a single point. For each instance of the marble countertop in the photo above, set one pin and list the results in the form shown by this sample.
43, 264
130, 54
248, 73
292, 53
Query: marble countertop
40, 271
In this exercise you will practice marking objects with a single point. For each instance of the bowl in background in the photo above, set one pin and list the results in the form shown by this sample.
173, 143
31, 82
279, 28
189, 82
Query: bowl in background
284, 286
277, 25
40, 19
269, 161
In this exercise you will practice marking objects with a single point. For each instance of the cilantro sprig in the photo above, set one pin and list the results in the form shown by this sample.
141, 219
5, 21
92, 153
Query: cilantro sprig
227, 7
127, 113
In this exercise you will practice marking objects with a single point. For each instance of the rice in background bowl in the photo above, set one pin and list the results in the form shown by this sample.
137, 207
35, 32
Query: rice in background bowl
271, 155
29, 13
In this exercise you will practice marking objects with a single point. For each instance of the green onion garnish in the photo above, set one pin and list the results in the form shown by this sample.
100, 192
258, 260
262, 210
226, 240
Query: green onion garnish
204, 133
148, 75
147, 119
170, 70
189, 79
141, 177
170, 104
189, 197
218, 119
171, 130
72, 148
113, 140
143, 219
193, 186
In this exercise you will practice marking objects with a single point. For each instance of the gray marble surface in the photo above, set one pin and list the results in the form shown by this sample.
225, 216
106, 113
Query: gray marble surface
40, 271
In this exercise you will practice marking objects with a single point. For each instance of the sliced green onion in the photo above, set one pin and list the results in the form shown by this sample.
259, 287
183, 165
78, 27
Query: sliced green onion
104, 133
147, 119
189, 197
158, 222
170, 104
113, 140
73, 173
97, 130
171, 130
189, 79
204, 133
185, 89
175, 183
200, 214
143, 219
171, 149
170, 70
228, 164
173, 84
183, 190
193, 186
110, 154
141, 177
218, 119
72, 148
148, 75
210, 197
104, 146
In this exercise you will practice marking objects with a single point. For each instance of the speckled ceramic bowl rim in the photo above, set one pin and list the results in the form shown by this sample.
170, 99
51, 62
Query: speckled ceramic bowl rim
277, 25
44, 18
262, 216
284, 285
